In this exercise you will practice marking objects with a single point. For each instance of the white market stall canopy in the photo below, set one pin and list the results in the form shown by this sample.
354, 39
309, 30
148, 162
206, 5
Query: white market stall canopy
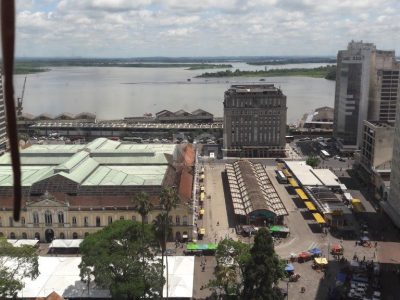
61, 275
181, 272
19, 243
65, 243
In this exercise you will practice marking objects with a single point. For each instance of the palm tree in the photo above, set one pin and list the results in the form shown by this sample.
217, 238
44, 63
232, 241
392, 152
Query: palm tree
168, 199
143, 206
161, 226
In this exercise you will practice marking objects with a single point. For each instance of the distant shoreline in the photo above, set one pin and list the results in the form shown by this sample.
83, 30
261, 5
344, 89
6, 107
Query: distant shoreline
29, 67
328, 72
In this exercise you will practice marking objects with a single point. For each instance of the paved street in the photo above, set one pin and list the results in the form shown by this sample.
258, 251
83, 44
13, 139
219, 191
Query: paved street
303, 234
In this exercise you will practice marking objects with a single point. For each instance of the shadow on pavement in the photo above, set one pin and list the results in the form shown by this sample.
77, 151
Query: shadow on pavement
315, 228
307, 215
298, 202
228, 201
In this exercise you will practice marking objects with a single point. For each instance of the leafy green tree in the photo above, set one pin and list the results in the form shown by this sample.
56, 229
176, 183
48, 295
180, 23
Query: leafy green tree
263, 270
313, 161
232, 257
169, 200
16, 263
162, 227
112, 256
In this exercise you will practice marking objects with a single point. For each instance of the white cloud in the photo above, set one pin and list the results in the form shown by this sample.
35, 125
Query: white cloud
207, 27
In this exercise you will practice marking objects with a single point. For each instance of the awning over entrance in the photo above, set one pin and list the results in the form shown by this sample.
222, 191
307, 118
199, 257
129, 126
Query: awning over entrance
301, 194
293, 182
318, 218
310, 206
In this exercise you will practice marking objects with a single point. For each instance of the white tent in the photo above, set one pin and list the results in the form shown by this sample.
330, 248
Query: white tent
19, 243
65, 243
181, 271
61, 275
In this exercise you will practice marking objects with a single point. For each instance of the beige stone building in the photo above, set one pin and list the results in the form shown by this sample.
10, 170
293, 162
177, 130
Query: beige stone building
254, 121
71, 191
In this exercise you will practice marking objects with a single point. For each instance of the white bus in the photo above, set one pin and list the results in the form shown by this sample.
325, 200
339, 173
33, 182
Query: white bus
281, 177
325, 154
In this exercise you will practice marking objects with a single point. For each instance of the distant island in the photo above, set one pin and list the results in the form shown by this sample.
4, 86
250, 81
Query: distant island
328, 72
23, 69
209, 66
43, 65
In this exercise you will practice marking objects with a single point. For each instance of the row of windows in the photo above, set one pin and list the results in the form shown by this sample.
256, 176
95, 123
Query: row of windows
49, 219
62, 235
24, 235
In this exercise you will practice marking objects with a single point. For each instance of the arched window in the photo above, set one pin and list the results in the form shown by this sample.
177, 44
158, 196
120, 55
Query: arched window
74, 235
37, 236
60, 217
62, 236
185, 220
48, 218
1, 234
122, 218
134, 218
73, 220
1, 222
109, 220
178, 220
12, 235
35, 217
86, 221
11, 221
86, 234
98, 223
22, 221
24, 236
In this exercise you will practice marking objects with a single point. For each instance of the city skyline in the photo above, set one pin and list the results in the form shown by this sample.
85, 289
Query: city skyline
97, 28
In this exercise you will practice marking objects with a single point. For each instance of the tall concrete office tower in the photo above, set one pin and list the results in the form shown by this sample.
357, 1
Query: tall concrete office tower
392, 206
254, 121
367, 88
3, 134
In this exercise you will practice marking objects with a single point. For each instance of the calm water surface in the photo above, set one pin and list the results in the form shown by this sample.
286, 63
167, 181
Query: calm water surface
114, 92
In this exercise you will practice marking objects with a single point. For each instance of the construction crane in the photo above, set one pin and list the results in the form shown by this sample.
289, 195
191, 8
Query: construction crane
20, 100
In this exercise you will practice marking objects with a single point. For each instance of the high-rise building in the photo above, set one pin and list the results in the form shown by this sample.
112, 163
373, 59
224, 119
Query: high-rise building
367, 88
254, 121
3, 135
392, 206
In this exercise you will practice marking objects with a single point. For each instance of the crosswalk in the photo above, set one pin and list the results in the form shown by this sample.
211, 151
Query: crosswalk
313, 245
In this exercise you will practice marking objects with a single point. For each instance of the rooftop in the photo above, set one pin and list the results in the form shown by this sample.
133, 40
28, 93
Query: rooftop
251, 189
100, 162
253, 88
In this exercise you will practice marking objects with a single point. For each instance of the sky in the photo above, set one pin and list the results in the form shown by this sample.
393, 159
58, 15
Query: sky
143, 28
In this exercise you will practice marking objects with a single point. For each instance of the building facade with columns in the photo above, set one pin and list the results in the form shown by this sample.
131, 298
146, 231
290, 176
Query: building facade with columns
70, 191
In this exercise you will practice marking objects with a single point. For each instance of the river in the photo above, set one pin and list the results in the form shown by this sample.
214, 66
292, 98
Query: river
117, 92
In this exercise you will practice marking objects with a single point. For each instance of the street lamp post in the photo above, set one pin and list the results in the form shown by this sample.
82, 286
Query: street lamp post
287, 289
